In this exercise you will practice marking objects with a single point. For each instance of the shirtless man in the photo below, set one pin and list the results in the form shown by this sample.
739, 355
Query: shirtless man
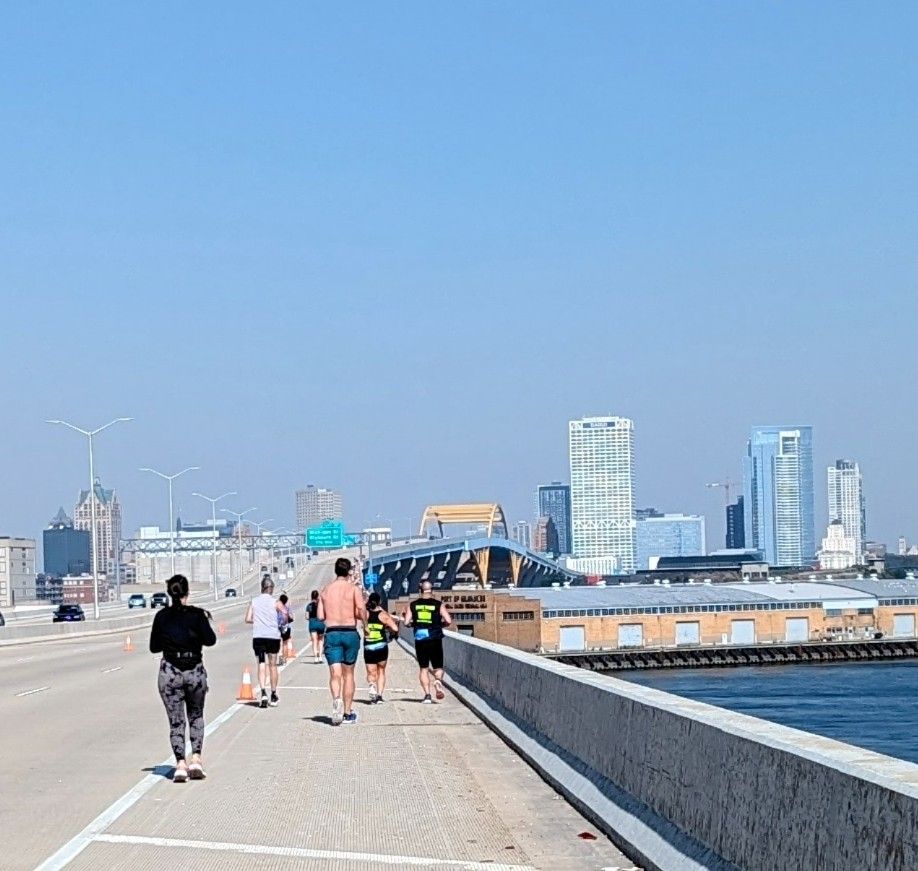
341, 608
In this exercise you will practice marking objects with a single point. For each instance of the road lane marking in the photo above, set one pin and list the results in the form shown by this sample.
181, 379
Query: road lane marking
309, 853
25, 659
110, 670
66, 854
32, 692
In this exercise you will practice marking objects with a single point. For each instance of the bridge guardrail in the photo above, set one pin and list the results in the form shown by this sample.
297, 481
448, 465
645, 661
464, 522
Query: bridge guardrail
681, 784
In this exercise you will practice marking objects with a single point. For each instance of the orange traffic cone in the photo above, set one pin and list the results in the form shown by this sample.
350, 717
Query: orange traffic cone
128, 644
245, 689
290, 652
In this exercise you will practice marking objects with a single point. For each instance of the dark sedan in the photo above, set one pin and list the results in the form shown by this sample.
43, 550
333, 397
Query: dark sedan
159, 600
67, 614
229, 593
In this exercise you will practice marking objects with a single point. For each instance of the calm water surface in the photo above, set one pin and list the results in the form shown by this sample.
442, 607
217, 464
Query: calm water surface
872, 705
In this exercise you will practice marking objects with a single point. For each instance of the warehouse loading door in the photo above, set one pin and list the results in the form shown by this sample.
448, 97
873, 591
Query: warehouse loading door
631, 635
797, 629
572, 638
688, 633
904, 625
742, 631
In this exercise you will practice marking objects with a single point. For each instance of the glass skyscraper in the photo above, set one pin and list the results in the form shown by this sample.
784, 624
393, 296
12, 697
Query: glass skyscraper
555, 502
778, 494
667, 535
602, 490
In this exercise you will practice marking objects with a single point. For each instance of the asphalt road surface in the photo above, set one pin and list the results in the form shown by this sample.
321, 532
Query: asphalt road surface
84, 722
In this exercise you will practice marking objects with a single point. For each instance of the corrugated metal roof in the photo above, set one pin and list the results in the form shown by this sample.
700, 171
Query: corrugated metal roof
805, 591
638, 596
652, 595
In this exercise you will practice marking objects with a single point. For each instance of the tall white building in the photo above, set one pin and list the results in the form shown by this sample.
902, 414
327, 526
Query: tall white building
846, 502
602, 490
838, 549
108, 525
315, 504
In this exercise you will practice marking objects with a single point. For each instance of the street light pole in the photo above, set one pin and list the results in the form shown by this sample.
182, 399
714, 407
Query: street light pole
239, 515
170, 479
92, 504
213, 513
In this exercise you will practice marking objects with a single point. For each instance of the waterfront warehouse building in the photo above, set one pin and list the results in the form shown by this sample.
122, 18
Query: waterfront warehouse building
778, 494
699, 615
601, 452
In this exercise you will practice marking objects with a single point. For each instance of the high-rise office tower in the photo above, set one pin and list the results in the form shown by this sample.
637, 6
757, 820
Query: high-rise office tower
108, 525
778, 494
846, 502
315, 504
66, 550
659, 535
736, 531
602, 489
555, 502
521, 532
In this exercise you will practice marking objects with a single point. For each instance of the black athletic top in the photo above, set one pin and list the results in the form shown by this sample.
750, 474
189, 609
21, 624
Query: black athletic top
426, 620
179, 632
312, 610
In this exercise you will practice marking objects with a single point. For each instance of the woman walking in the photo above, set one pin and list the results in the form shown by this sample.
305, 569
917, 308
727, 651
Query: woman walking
316, 626
179, 632
376, 645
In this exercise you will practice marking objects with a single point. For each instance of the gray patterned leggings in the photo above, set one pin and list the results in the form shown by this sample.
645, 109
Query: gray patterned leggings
181, 690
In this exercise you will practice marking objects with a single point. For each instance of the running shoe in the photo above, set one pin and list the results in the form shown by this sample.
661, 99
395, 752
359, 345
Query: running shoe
264, 699
337, 712
427, 700
274, 700
351, 717
438, 689
379, 699
373, 693
180, 775
196, 771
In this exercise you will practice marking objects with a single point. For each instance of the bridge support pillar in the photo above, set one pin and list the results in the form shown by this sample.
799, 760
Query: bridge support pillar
516, 562
483, 558
417, 572
453, 563
436, 566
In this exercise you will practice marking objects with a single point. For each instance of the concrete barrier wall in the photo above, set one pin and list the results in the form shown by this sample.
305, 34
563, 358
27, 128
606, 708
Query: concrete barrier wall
689, 785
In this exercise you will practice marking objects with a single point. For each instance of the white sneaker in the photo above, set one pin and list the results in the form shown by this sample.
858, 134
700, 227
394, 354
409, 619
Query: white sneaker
373, 692
337, 712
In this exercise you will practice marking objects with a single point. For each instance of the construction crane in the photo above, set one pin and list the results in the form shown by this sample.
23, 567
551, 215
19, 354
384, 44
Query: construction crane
727, 485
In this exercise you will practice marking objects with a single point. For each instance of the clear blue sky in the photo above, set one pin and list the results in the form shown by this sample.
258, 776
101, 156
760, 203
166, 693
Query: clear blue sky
391, 249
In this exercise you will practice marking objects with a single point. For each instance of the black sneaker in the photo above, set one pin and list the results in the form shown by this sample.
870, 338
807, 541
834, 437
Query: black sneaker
274, 700
379, 699
264, 700
427, 700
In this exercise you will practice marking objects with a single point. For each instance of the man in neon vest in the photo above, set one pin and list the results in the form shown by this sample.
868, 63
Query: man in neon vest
428, 616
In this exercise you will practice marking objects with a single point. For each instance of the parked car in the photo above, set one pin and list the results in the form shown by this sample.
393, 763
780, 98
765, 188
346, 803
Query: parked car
137, 600
67, 614
229, 593
159, 600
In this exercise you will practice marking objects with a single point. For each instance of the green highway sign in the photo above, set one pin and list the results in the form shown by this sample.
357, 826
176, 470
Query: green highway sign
328, 535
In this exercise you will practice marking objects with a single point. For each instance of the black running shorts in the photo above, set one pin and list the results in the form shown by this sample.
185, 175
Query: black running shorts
429, 653
375, 657
263, 646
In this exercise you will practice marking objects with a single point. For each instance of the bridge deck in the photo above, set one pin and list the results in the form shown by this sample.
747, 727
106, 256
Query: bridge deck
409, 785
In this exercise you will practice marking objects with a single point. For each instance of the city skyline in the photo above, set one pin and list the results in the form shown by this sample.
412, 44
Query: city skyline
297, 208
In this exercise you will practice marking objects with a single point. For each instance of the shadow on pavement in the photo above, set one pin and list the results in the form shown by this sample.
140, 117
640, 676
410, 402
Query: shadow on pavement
161, 771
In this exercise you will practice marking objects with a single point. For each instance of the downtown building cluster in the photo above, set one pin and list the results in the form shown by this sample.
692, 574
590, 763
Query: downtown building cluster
600, 530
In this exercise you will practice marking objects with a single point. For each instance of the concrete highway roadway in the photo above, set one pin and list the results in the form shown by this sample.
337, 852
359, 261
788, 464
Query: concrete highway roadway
84, 723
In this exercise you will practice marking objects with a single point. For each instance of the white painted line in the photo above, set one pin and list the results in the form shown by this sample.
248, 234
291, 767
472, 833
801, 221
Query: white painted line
25, 659
307, 853
325, 687
110, 670
32, 692
66, 854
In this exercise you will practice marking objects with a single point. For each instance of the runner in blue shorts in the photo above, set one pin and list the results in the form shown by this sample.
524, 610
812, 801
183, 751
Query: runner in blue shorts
341, 609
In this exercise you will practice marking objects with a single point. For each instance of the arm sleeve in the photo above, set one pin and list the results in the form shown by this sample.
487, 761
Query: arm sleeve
156, 635
208, 639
